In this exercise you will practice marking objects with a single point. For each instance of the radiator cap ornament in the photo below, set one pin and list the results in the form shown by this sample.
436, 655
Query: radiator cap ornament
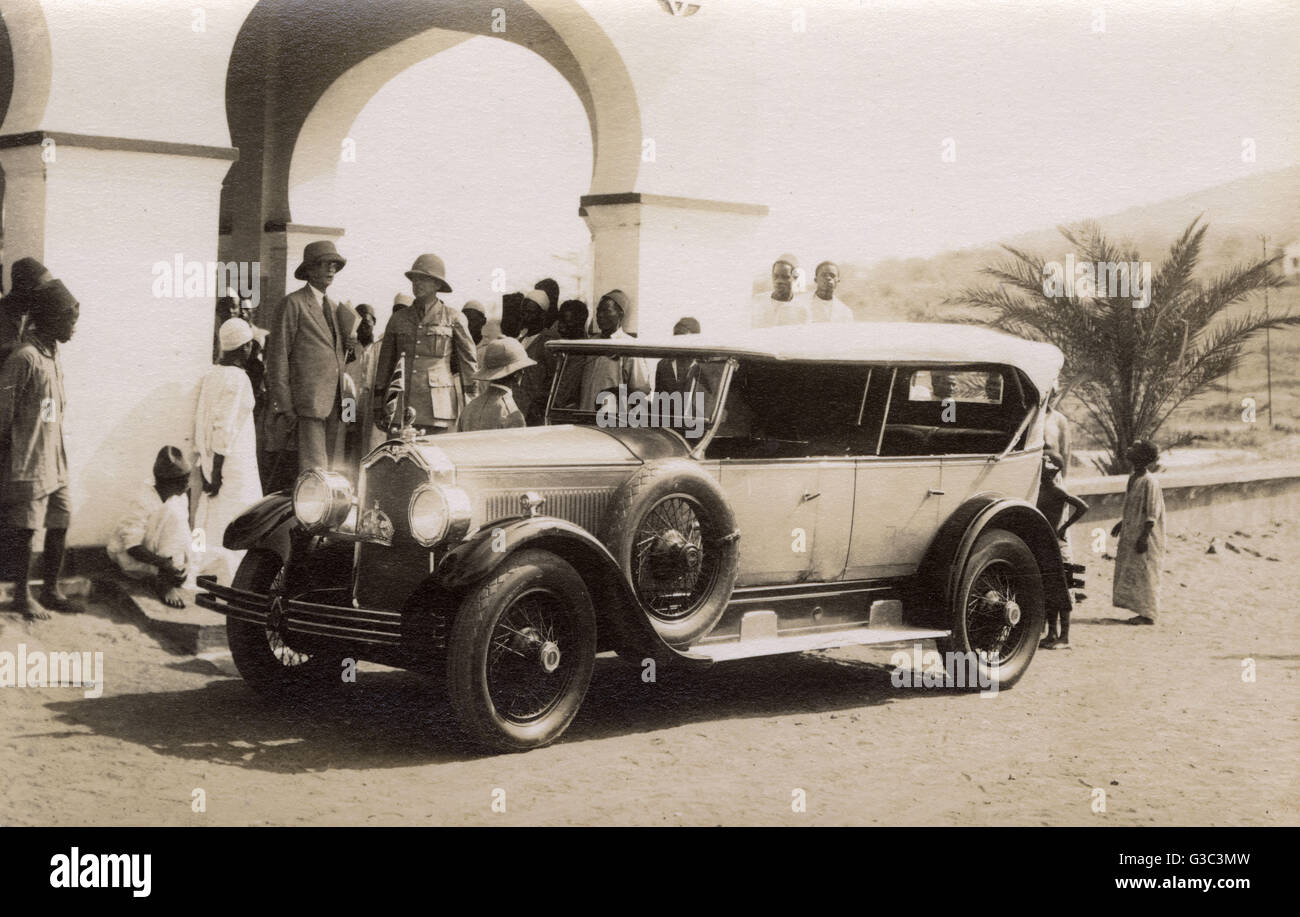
532, 502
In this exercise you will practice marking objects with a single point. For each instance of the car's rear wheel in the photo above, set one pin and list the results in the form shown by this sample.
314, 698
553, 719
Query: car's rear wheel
521, 654
270, 665
998, 611
672, 532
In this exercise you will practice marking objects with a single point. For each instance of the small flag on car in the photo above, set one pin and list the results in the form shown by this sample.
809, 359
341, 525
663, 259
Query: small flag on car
396, 388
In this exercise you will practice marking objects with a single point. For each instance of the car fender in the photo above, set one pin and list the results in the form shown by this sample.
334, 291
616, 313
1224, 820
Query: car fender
266, 524
625, 626
940, 571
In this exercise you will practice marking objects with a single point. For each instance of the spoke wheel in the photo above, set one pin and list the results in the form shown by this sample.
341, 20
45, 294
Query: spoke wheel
675, 557
998, 609
521, 652
282, 651
266, 661
675, 537
528, 668
994, 623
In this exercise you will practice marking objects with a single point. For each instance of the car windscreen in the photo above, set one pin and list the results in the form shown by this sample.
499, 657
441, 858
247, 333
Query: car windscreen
671, 392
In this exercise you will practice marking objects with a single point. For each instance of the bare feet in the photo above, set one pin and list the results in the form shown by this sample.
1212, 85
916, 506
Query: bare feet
27, 608
172, 597
55, 599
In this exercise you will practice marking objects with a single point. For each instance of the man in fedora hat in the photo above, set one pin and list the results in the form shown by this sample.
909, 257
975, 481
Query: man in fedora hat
27, 274
152, 541
504, 363
439, 352
33, 460
306, 358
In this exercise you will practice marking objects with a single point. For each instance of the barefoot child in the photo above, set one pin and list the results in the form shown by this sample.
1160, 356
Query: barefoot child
1141, 533
153, 540
1052, 499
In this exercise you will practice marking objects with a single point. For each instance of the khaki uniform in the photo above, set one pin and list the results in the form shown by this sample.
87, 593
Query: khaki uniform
494, 409
440, 354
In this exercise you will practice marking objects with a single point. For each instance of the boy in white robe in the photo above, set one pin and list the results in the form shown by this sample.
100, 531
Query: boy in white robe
225, 446
153, 540
1141, 533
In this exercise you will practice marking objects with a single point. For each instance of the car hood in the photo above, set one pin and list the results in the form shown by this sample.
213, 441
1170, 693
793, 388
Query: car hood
551, 447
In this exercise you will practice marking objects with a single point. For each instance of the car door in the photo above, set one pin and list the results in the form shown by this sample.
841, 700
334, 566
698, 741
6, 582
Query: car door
776, 506
897, 496
791, 488
987, 407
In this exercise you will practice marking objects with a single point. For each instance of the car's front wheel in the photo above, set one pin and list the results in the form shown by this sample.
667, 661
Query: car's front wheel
997, 611
521, 654
269, 665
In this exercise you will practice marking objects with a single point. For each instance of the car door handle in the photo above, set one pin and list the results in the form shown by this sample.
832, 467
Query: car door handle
934, 493
813, 496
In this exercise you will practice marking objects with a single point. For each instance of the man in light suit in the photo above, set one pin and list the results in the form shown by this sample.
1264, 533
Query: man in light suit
308, 350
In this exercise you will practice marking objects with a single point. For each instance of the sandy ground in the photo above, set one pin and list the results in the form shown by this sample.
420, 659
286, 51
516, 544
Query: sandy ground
1160, 718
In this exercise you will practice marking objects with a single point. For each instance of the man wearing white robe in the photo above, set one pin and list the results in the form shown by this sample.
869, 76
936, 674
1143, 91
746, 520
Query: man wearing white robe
225, 447
823, 304
783, 305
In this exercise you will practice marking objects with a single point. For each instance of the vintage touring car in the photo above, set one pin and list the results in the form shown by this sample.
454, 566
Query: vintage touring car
820, 486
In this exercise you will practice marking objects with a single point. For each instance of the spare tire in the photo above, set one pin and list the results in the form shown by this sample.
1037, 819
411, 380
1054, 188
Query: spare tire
673, 534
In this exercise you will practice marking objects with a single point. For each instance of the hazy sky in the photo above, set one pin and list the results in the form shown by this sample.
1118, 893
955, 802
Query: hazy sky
482, 152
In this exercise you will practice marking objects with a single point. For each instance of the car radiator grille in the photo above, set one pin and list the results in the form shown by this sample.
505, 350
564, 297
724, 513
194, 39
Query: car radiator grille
584, 506
386, 575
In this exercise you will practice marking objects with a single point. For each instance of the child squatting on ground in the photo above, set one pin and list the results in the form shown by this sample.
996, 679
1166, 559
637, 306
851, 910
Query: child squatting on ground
153, 540
1052, 499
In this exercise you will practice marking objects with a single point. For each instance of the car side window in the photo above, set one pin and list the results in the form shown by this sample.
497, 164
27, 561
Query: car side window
797, 410
951, 410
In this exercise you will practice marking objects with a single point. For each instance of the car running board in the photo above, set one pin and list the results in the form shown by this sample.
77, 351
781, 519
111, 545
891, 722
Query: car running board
802, 643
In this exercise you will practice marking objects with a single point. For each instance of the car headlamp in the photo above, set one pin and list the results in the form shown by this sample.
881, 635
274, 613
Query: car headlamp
438, 513
322, 499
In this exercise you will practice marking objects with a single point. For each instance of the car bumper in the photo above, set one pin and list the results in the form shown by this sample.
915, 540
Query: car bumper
297, 617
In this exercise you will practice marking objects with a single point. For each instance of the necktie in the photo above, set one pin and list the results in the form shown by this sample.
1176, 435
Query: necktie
329, 317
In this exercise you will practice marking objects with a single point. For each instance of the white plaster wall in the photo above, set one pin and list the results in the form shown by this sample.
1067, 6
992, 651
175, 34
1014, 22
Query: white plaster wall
133, 365
144, 69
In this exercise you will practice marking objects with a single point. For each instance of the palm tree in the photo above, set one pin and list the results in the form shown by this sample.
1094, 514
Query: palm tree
1132, 366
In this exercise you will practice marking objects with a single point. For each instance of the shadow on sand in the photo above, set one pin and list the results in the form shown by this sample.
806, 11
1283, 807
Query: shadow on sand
399, 719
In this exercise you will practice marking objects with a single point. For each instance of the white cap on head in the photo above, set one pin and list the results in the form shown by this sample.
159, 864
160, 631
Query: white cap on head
234, 333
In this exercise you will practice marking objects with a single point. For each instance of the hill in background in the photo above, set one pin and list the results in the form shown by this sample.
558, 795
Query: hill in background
915, 289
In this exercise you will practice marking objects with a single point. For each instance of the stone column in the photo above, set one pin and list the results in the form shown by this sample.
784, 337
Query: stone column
674, 256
